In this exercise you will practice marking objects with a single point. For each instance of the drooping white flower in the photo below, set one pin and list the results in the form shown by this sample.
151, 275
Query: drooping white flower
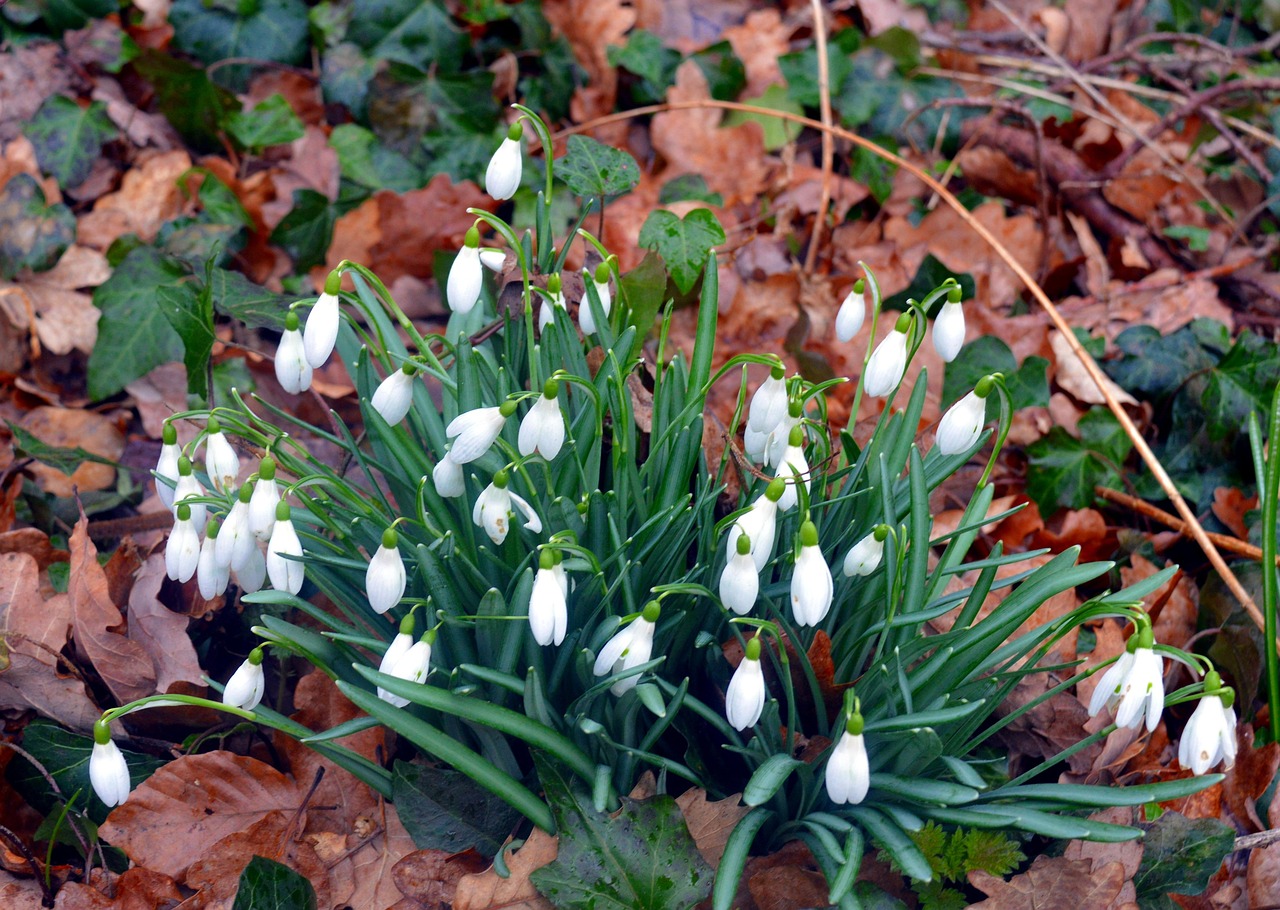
447, 477
188, 490
767, 409
888, 361
548, 611
948, 329
220, 460
245, 687
961, 426
760, 524
385, 579
293, 372
848, 775
398, 648
793, 469
629, 647
466, 275
321, 332
852, 313
182, 552
811, 585
108, 771
167, 465
235, 540
286, 573
548, 307
600, 281
393, 397
253, 573
493, 260
1210, 735
413, 665
1134, 685
542, 428
262, 504
740, 580
494, 505
211, 575
476, 431
776, 440
744, 699
864, 556
502, 177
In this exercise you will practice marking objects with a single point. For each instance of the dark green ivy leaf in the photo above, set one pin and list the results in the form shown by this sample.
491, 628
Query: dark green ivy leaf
929, 276
190, 312
271, 122
1063, 470
35, 235
187, 98
592, 168
1028, 384
305, 233
445, 810
1180, 855
268, 885
683, 243
255, 29
419, 33
236, 296
61, 15
67, 137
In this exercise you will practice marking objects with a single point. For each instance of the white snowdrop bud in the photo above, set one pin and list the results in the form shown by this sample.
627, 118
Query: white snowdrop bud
393, 397
245, 687
293, 372
466, 275
502, 177
852, 313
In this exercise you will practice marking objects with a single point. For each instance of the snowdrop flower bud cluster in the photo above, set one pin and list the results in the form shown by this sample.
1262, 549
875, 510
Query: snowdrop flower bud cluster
385, 579
393, 397
211, 575
293, 372
167, 465
182, 552
864, 556
235, 540
245, 687
600, 281
220, 459
108, 771
961, 426
768, 408
284, 553
848, 776
1210, 734
398, 648
811, 584
888, 361
1133, 687
502, 178
759, 524
631, 646
852, 313
554, 301
321, 332
793, 468
542, 429
188, 490
548, 609
948, 327
493, 506
413, 665
744, 699
466, 275
740, 580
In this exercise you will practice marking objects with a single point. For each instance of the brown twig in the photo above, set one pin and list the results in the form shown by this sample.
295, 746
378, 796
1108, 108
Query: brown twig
1142, 507
828, 142
48, 899
1260, 839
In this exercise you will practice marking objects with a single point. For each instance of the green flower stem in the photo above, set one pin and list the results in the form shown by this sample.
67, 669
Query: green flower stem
1002, 432
1269, 485
393, 310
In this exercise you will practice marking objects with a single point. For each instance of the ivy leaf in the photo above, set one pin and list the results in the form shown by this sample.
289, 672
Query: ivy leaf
641, 859
683, 243
36, 235
420, 34
651, 61
1028, 384
688, 188
592, 168
61, 15
1240, 383
1154, 365
641, 292
305, 233
271, 122
446, 810
1180, 855
190, 312
268, 885
67, 137
245, 301
187, 97
365, 161
1063, 470
258, 29
929, 276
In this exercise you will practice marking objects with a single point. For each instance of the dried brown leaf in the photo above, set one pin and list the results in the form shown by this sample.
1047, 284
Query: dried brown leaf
162, 632
148, 197
488, 891
68, 428
136, 889
431, 876
710, 823
215, 876
363, 880
1052, 883
1070, 374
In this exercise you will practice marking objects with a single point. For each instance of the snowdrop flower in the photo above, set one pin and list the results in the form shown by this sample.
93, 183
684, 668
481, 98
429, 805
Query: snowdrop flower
245, 687
1210, 734
108, 771
394, 395
220, 460
466, 275
494, 505
385, 579
775, 442
187, 488
948, 327
253, 573
864, 556
852, 313
413, 665
182, 552
745, 697
961, 426
1134, 685
793, 469
888, 361
740, 580
502, 178
768, 407
587, 319
286, 573
811, 585
398, 648
542, 429
759, 524
262, 505
235, 540
321, 332
547, 311
848, 775
447, 477
548, 611
293, 372
630, 647
167, 466
476, 431
211, 575
493, 260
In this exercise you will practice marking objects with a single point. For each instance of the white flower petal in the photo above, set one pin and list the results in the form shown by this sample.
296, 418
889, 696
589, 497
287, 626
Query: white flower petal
293, 372
848, 777
321, 331
466, 280
502, 177
961, 426
948, 331
853, 312
887, 364
245, 687
109, 773
744, 699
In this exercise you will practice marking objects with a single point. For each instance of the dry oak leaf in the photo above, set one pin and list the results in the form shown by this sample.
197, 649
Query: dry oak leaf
488, 891
429, 878
1071, 375
136, 889
215, 876
162, 632
363, 880
73, 427
1263, 879
1052, 883
51, 305
149, 196
758, 42
173, 817
19, 893
123, 664
590, 27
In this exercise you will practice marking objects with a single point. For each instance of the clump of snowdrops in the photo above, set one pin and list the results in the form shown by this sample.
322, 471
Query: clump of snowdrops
526, 550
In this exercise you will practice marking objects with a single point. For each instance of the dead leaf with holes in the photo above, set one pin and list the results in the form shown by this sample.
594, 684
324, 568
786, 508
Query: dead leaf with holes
1052, 883
53, 306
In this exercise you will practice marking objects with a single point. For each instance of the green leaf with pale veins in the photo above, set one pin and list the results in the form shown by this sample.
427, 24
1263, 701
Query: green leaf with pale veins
683, 243
272, 122
592, 168
268, 30
1180, 855
190, 312
236, 296
68, 138
1064, 469
268, 885
35, 235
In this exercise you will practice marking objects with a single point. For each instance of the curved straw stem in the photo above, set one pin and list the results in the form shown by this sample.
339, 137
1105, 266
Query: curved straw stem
1091, 367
